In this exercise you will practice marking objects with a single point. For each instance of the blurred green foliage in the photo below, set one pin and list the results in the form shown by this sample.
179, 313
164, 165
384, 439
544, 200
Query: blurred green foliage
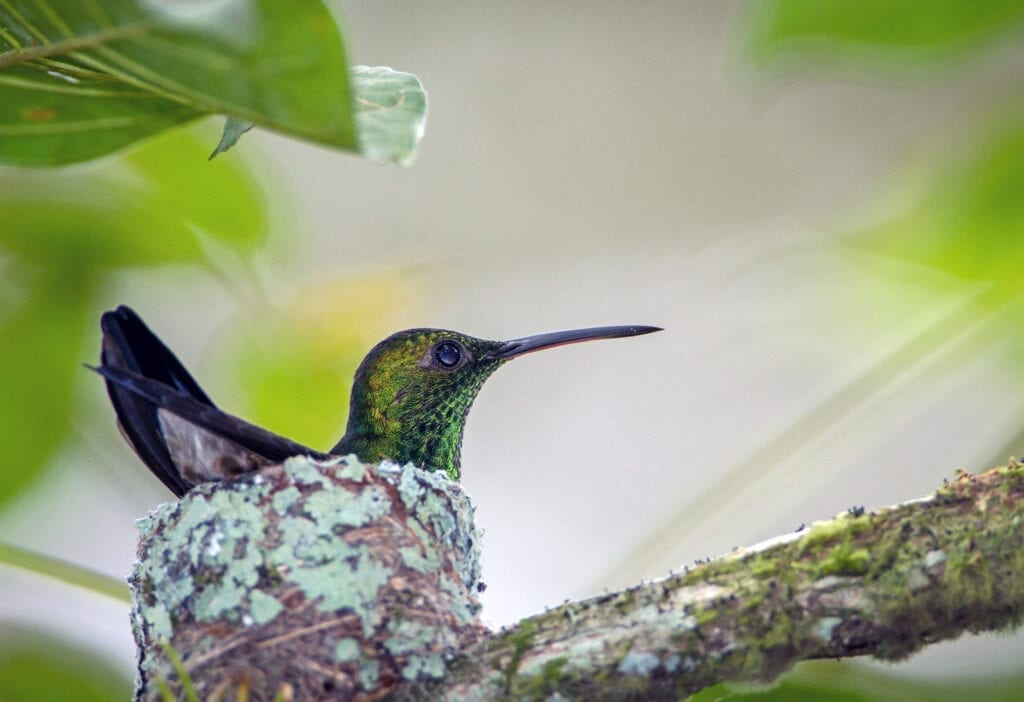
968, 220
41, 668
901, 32
833, 681
64, 233
81, 80
77, 81
40, 349
291, 364
151, 207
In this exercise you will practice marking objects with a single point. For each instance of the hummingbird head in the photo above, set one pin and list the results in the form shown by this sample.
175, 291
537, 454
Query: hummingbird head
413, 391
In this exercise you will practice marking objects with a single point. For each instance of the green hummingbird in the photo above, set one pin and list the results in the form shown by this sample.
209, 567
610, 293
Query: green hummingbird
409, 403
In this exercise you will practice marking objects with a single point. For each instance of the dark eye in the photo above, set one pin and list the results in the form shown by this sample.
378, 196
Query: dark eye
448, 354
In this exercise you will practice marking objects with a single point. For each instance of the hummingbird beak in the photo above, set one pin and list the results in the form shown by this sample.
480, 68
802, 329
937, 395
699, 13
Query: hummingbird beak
528, 344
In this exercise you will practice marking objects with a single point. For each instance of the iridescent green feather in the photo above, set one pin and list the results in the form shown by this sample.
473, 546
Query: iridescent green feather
407, 408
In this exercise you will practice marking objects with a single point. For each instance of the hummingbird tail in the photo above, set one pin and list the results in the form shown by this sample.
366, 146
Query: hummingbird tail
129, 345
173, 426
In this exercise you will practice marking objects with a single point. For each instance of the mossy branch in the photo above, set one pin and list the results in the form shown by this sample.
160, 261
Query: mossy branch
360, 582
883, 584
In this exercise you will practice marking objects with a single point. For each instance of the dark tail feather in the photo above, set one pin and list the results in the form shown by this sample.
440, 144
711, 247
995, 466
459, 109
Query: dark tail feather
266, 443
129, 345
143, 376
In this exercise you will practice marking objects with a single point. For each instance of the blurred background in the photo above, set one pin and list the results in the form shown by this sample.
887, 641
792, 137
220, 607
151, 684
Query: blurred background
823, 208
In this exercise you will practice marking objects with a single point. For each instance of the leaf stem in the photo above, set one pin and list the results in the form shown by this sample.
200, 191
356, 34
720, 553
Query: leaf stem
59, 569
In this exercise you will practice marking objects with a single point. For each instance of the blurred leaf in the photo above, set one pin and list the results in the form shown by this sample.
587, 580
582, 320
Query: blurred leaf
82, 79
969, 222
847, 681
41, 668
391, 111
221, 199
289, 389
59, 569
84, 231
879, 28
40, 349
783, 691
141, 210
293, 368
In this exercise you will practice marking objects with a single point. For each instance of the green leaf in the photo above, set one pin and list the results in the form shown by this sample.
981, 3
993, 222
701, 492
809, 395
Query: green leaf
146, 209
45, 120
81, 78
391, 111
41, 668
879, 28
969, 220
40, 350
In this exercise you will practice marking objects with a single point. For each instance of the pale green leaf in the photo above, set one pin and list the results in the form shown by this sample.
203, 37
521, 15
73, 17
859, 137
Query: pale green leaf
391, 111
880, 29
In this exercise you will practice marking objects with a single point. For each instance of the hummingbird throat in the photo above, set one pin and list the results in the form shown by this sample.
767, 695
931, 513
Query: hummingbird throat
420, 422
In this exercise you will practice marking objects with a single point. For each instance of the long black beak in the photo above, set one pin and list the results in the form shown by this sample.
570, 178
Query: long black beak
517, 347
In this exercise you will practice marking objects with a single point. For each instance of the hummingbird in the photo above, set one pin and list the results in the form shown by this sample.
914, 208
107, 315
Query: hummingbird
409, 402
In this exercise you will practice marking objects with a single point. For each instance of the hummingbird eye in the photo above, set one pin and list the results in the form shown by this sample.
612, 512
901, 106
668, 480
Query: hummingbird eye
447, 354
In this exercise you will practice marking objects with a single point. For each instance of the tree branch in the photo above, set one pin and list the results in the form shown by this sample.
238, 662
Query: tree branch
882, 584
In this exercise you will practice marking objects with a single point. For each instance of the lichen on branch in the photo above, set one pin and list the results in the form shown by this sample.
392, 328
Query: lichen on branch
351, 581
883, 584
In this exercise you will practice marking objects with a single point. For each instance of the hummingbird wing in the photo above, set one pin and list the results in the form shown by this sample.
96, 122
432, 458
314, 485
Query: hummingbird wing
171, 423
